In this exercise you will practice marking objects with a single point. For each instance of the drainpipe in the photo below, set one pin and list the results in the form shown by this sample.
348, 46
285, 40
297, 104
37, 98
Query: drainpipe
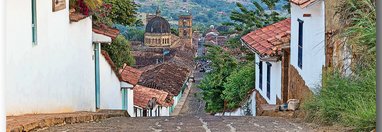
2, 66
97, 75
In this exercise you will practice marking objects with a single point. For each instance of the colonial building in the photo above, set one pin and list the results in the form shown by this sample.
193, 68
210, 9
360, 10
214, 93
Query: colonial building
151, 102
130, 77
158, 32
271, 46
49, 61
66, 69
290, 54
185, 26
307, 47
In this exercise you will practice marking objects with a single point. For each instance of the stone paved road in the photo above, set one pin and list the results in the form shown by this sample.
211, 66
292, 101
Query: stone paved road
192, 118
187, 123
194, 104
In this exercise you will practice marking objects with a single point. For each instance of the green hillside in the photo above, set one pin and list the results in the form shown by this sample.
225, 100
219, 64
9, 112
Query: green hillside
205, 12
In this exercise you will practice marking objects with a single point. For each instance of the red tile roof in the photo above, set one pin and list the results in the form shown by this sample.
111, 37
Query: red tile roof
75, 17
142, 96
130, 75
107, 31
303, 3
269, 40
167, 76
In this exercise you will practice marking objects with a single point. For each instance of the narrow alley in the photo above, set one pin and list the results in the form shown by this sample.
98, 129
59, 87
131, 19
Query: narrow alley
192, 117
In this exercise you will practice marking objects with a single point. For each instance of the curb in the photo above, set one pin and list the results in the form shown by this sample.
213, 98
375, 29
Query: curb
41, 121
181, 102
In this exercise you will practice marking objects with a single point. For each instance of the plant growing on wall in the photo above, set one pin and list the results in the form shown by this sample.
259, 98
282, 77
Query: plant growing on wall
85, 6
119, 51
351, 100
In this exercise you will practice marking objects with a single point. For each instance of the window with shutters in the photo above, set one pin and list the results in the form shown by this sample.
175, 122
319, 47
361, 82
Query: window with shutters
269, 66
300, 42
261, 75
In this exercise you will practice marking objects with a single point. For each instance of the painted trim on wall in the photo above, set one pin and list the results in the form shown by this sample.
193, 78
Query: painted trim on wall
97, 76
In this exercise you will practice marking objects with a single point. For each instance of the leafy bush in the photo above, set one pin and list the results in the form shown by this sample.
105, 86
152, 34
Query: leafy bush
213, 83
238, 84
123, 11
131, 33
119, 51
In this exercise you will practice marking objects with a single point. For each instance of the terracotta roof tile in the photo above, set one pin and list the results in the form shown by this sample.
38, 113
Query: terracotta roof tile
131, 75
75, 17
107, 31
267, 40
302, 3
143, 95
167, 77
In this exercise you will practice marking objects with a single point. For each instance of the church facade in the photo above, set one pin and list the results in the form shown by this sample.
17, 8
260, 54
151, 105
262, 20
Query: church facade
158, 30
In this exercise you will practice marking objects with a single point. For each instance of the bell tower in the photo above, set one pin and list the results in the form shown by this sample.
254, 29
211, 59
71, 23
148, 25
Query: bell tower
185, 26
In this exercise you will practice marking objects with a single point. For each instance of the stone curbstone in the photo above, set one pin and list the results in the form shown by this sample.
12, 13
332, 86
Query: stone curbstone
49, 121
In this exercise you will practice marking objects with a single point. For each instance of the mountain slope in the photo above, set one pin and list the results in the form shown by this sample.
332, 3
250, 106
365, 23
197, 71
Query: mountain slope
205, 12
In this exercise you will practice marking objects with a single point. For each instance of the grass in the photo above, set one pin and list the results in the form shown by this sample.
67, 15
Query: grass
351, 100
347, 101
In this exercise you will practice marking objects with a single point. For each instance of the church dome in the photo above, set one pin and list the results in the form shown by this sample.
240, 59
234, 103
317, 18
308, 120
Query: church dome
158, 25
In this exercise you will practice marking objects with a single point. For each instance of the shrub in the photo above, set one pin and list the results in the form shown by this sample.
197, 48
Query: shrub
119, 51
238, 84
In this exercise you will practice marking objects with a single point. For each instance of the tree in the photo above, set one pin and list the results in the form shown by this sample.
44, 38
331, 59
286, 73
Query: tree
238, 84
212, 85
123, 11
257, 18
119, 51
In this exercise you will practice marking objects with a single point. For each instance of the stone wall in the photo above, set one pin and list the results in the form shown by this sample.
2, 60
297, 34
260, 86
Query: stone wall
297, 88
259, 101
338, 55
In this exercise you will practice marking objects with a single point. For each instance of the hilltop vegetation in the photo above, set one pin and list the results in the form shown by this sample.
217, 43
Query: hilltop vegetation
205, 12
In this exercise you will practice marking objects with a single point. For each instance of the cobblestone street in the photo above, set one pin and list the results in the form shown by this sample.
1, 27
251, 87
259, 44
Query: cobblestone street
187, 123
191, 118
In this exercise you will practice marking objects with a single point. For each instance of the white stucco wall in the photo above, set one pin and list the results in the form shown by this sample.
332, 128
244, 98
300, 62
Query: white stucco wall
275, 80
111, 95
165, 111
57, 74
130, 102
313, 42
2, 66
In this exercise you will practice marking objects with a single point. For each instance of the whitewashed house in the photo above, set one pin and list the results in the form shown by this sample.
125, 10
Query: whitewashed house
308, 40
270, 44
49, 60
109, 94
130, 77
149, 102
54, 62
168, 77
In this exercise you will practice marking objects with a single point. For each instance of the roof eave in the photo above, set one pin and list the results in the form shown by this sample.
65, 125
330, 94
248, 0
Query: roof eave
305, 6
